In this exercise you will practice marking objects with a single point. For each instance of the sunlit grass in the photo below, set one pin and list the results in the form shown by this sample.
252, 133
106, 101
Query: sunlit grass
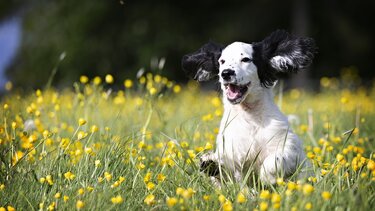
138, 147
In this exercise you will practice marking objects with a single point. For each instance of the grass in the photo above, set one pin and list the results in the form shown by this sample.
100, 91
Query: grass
138, 148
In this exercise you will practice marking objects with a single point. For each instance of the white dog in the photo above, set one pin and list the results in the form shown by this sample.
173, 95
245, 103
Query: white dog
254, 135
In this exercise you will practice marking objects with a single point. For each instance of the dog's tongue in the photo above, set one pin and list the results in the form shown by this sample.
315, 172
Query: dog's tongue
233, 91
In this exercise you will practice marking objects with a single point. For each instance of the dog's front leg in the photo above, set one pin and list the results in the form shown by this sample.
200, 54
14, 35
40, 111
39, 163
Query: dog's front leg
272, 168
209, 164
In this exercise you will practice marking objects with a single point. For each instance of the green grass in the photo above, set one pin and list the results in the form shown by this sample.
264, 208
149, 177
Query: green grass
145, 134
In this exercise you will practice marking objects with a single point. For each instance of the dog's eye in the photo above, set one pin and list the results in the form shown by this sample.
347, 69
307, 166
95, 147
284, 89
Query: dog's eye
245, 59
222, 61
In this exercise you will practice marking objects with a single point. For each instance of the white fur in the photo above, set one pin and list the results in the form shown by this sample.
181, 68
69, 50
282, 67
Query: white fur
254, 131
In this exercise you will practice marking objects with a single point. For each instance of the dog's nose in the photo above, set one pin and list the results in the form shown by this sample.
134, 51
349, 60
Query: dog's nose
227, 74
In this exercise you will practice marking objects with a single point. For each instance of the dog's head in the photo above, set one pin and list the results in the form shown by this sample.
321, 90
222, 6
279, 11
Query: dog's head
245, 68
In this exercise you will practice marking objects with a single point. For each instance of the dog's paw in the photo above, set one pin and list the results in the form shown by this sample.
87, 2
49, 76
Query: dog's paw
208, 165
271, 169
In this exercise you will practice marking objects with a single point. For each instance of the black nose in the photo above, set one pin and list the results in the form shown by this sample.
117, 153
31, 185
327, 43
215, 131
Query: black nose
227, 74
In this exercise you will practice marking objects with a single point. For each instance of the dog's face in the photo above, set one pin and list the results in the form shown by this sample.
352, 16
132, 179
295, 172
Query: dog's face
245, 68
237, 72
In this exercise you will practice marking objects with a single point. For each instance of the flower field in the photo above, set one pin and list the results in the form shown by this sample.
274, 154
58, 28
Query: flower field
136, 147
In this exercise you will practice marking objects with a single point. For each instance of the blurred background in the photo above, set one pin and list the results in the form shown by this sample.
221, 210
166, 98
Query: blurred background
120, 37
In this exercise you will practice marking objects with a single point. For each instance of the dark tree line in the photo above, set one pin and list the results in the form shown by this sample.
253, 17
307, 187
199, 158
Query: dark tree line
120, 37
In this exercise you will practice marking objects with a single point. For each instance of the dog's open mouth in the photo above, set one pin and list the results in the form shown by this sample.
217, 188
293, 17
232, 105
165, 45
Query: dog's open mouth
235, 92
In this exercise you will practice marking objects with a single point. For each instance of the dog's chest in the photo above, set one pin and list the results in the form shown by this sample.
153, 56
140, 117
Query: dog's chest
238, 138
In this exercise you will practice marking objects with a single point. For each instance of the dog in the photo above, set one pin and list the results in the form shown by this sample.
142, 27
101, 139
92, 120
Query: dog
254, 135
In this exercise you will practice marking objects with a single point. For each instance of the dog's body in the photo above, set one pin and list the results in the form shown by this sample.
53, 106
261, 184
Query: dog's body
254, 135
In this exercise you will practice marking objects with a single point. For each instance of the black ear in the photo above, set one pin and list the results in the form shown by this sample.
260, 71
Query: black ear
203, 64
281, 53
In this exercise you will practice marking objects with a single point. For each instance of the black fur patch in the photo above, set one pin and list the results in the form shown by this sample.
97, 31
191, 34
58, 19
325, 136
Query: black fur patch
209, 167
203, 64
299, 50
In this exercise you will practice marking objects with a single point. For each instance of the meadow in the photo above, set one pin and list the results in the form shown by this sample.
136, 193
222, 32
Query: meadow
137, 147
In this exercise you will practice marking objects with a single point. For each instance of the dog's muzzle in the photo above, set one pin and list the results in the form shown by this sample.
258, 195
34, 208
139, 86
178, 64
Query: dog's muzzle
235, 92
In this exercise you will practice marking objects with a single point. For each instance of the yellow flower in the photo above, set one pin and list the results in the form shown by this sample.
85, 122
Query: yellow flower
150, 185
276, 198
100, 179
265, 194
312, 179
206, 197
97, 163
222, 198
371, 165
161, 177
147, 177
128, 83
8, 86
308, 206
292, 186
171, 202
263, 206
117, 200
109, 79
57, 195
149, 200
121, 179
310, 155
45, 134
153, 90
97, 80
176, 88
83, 79
116, 184
3, 209
227, 206
179, 191
323, 172
2, 187
241, 198
65, 198
81, 135
81, 121
280, 181
142, 80
69, 175
81, 191
14, 125
325, 82
326, 195
89, 188
51, 206
107, 176
339, 157
80, 204
42, 180
307, 189
94, 129
188, 193
89, 151
10, 208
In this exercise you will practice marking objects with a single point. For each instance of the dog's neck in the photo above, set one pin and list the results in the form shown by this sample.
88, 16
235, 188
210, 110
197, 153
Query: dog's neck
260, 107
250, 106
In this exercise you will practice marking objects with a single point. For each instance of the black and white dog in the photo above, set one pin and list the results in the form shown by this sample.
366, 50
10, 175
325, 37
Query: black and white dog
254, 135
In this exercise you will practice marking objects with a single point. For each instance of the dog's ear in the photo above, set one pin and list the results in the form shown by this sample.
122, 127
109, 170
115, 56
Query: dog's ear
203, 64
281, 53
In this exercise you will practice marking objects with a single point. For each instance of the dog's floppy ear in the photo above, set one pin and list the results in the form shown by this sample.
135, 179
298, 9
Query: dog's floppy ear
281, 53
203, 64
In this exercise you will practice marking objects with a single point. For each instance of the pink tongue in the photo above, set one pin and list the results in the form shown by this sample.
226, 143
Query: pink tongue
233, 91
